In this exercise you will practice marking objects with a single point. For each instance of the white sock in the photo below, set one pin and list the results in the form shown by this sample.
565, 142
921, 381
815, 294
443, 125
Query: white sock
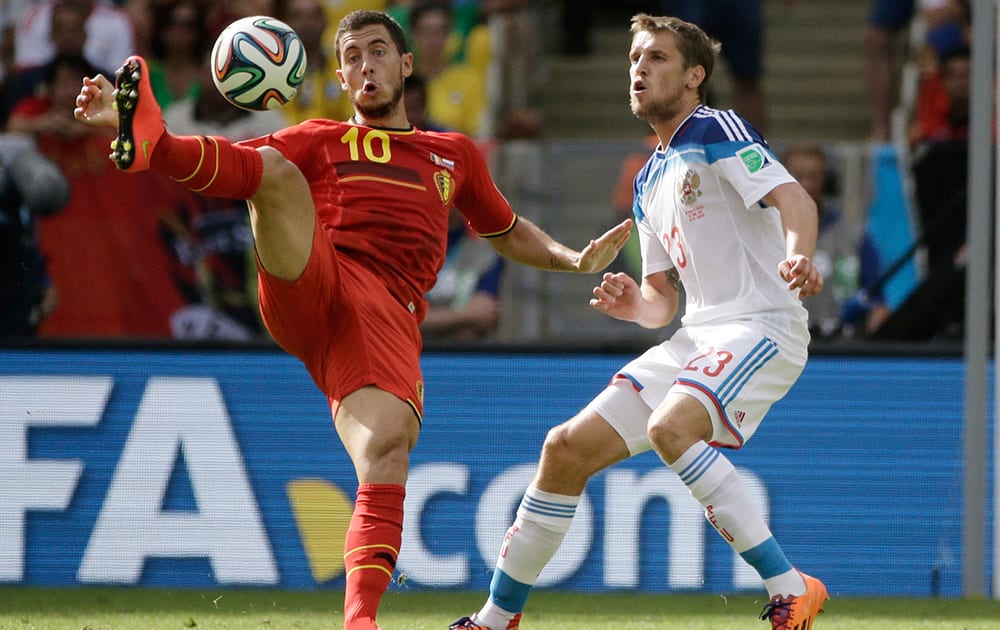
543, 518
714, 482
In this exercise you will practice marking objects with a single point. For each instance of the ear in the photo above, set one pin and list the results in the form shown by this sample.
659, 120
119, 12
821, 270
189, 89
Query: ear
695, 77
407, 64
340, 77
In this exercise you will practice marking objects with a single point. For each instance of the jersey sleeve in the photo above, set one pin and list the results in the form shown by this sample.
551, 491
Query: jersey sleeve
654, 256
738, 153
480, 201
750, 168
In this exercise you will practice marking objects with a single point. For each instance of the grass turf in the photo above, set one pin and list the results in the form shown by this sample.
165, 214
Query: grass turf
145, 609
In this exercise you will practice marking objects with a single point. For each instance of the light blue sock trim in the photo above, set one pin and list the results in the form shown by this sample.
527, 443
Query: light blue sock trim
508, 593
768, 559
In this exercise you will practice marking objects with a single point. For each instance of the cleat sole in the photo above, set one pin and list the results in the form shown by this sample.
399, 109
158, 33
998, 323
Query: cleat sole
126, 96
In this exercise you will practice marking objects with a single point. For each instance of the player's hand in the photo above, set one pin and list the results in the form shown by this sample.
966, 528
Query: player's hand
95, 102
801, 274
618, 296
601, 252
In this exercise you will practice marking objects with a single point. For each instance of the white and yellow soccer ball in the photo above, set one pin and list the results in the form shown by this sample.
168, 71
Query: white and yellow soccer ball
258, 63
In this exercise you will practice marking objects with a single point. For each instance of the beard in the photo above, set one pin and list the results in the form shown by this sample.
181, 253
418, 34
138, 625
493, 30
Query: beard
657, 110
652, 113
380, 109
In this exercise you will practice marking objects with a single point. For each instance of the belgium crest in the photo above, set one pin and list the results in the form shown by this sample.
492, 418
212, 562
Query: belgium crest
445, 185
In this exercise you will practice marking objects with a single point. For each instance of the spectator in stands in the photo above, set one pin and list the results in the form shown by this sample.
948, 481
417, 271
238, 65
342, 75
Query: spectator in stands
103, 250
140, 15
30, 186
10, 13
887, 25
179, 49
110, 37
506, 48
209, 238
496, 39
252, 7
221, 13
464, 304
467, 26
320, 95
68, 39
456, 92
844, 255
739, 26
939, 162
415, 101
36, 112
942, 108
949, 25
209, 114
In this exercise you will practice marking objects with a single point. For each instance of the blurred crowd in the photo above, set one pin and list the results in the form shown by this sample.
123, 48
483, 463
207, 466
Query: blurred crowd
94, 254
926, 119
140, 257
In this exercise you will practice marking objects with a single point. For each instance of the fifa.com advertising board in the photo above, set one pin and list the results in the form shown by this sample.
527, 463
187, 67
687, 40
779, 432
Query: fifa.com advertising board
212, 469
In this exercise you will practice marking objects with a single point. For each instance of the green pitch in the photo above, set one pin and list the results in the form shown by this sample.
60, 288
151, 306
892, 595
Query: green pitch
141, 609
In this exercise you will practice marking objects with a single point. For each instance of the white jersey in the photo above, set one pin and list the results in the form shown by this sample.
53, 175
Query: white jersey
698, 207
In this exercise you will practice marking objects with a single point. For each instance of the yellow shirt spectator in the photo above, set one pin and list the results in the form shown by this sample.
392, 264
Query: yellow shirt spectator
320, 95
456, 98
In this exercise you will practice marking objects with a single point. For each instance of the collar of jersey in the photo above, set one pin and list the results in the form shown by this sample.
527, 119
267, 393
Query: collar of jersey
354, 121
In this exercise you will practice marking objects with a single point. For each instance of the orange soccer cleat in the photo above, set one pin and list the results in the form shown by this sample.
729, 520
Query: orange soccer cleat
796, 612
466, 623
140, 121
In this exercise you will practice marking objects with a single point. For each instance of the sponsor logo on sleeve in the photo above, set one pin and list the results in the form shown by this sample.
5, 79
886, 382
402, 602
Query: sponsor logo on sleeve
754, 158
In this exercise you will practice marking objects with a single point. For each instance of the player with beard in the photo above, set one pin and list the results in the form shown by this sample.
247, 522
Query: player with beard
718, 213
350, 221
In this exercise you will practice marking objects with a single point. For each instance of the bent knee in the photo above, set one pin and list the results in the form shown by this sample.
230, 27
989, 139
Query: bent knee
663, 433
563, 452
282, 183
557, 442
385, 461
278, 170
672, 438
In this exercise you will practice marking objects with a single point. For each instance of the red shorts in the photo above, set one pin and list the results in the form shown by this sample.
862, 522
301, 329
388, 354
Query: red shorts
342, 323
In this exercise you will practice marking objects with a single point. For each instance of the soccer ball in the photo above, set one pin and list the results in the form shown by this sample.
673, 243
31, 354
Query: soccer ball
258, 63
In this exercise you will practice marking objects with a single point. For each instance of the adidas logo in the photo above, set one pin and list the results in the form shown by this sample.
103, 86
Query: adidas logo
739, 415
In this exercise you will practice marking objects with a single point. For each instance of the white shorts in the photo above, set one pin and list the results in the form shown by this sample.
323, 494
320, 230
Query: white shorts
735, 371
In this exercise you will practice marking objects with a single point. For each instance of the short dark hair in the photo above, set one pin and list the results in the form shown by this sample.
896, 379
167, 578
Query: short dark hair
958, 52
77, 63
420, 9
163, 15
361, 18
415, 82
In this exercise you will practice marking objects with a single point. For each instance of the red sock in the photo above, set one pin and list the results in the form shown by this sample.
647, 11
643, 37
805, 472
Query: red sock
210, 165
370, 551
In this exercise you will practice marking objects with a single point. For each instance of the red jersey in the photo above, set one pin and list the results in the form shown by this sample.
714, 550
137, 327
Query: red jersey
384, 196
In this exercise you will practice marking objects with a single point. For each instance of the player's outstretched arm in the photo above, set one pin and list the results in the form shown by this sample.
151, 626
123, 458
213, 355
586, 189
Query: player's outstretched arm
529, 244
651, 305
95, 102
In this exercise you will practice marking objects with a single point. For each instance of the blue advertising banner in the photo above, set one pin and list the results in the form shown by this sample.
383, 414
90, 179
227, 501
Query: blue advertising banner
184, 468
